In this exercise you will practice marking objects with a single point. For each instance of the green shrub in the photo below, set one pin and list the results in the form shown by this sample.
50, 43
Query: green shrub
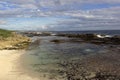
5, 33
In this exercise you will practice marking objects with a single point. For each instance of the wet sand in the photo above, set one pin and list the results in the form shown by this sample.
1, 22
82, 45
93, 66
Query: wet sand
8, 66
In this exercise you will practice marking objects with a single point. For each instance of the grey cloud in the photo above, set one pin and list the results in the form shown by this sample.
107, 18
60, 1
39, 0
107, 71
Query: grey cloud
95, 19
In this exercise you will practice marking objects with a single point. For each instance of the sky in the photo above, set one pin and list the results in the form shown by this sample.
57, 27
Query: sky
60, 15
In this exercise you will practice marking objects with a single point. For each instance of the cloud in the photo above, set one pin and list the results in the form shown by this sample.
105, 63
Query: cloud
2, 22
19, 1
102, 14
90, 20
46, 7
29, 6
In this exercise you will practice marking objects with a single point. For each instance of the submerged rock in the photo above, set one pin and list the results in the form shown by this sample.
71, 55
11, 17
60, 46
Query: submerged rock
58, 41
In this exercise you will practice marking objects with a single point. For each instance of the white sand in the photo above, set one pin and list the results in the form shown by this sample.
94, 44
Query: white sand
8, 63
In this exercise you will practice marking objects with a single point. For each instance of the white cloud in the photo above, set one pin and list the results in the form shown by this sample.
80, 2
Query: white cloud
29, 6
2, 22
19, 1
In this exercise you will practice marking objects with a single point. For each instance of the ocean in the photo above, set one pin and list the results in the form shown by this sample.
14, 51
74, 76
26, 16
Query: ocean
108, 32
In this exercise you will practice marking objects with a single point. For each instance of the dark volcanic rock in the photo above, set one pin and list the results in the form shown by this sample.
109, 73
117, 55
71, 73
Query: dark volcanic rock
95, 38
58, 41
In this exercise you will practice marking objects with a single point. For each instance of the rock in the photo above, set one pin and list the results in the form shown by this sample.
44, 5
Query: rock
94, 38
91, 75
57, 41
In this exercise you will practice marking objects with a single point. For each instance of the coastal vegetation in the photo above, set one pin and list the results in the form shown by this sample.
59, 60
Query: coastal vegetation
5, 33
12, 40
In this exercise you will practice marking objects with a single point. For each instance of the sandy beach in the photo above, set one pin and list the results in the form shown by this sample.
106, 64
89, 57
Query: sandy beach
8, 63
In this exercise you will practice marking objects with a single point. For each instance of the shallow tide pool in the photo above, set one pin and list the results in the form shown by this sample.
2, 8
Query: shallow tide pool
43, 58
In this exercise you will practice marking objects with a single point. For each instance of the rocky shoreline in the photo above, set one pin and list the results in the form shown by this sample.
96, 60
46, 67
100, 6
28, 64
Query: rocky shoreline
103, 66
94, 38
91, 37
